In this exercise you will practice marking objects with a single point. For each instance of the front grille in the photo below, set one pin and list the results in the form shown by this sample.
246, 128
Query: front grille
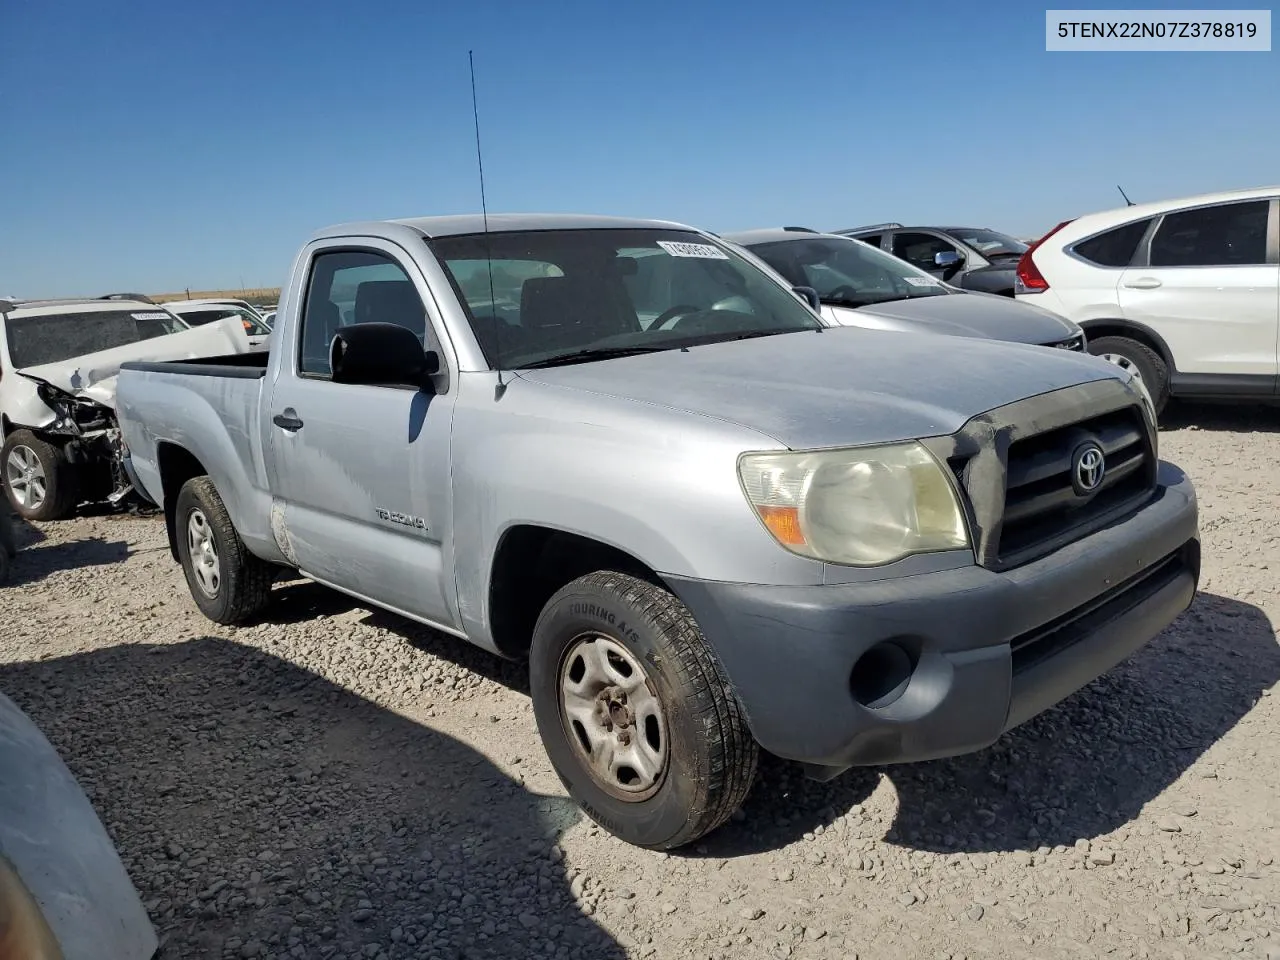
1045, 503
1015, 465
1047, 640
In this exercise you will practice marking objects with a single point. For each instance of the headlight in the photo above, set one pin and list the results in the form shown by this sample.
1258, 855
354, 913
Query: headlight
860, 507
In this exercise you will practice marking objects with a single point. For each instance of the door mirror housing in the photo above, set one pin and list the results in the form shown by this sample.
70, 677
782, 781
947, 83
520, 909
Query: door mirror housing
381, 354
809, 295
947, 258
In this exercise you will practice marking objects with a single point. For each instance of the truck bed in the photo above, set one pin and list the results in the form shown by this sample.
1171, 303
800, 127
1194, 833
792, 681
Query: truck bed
244, 366
211, 408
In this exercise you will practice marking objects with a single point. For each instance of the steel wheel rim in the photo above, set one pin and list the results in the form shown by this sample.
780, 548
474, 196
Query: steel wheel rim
612, 717
1124, 363
204, 554
26, 479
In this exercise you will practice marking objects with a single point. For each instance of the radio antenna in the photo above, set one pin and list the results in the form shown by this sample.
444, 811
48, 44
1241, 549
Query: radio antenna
498, 322
1127, 201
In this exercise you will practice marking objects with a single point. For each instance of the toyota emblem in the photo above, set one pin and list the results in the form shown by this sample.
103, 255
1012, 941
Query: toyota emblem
1088, 467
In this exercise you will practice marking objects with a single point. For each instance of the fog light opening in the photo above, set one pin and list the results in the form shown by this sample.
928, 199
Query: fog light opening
881, 675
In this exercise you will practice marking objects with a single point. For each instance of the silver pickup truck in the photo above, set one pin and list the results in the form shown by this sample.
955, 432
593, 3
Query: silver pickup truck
713, 523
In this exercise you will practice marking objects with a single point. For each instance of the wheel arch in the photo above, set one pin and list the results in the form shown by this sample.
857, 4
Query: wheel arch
530, 563
177, 465
1116, 327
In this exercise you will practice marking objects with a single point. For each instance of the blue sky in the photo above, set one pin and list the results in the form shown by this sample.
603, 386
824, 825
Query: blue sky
154, 145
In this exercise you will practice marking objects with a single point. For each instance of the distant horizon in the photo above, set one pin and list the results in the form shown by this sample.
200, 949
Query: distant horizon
213, 178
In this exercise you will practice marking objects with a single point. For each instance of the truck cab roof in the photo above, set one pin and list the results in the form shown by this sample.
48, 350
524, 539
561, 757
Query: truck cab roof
460, 224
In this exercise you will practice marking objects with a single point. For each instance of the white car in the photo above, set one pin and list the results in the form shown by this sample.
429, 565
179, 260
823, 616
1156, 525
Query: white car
58, 365
197, 313
1184, 294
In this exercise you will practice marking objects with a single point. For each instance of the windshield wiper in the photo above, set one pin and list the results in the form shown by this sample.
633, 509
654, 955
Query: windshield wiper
863, 301
590, 354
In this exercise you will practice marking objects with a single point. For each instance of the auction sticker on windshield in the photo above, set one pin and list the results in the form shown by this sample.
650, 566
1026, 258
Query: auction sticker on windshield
703, 250
923, 281
149, 316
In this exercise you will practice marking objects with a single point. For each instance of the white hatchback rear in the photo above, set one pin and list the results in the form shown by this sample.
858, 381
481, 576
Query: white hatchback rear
1183, 293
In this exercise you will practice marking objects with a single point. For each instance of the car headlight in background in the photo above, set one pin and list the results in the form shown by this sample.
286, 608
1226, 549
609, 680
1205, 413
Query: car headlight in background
863, 506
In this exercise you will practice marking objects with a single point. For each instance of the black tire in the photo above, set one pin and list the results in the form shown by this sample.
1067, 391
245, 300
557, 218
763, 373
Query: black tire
1149, 365
242, 586
61, 478
710, 754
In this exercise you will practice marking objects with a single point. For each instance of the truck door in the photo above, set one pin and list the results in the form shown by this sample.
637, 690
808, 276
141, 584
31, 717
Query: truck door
363, 471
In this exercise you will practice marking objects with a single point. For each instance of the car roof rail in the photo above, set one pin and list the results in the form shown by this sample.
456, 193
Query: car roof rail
799, 230
139, 297
871, 226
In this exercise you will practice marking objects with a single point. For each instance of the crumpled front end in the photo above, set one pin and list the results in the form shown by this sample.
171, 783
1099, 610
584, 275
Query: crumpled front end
72, 403
93, 376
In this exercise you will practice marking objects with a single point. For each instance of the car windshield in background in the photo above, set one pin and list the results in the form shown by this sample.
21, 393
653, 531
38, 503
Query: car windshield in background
846, 273
52, 338
538, 298
992, 244
253, 326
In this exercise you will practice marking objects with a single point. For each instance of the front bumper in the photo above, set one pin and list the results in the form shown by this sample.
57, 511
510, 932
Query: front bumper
986, 651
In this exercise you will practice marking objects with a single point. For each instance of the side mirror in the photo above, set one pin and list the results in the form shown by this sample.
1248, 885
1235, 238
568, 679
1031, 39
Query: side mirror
809, 295
948, 258
381, 354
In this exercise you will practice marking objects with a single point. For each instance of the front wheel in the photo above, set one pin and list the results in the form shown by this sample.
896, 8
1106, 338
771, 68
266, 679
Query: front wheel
635, 712
228, 583
40, 482
1139, 360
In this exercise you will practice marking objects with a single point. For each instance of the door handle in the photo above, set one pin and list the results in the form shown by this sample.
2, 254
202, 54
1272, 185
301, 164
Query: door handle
286, 421
1143, 283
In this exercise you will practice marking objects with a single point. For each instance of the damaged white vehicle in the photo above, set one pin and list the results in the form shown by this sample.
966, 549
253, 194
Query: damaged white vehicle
58, 366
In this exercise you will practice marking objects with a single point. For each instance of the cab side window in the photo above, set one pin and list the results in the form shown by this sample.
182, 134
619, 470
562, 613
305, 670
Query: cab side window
919, 249
354, 286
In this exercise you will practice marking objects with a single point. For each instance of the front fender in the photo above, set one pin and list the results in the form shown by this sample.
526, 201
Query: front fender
63, 857
21, 403
659, 486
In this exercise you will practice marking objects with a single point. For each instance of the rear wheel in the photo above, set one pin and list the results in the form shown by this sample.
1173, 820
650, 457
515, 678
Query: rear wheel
228, 583
1141, 361
635, 712
40, 482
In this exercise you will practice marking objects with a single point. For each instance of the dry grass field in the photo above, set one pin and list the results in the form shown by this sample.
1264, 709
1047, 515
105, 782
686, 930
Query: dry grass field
254, 295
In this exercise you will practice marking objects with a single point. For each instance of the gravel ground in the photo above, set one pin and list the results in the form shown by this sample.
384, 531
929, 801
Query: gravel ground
338, 782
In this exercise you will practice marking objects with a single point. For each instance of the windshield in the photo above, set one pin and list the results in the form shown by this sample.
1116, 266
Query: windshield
583, 294
991, 244
54, 337
845, 272
253, 324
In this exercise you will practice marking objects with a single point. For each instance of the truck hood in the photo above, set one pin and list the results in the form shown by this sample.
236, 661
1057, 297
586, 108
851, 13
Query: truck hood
841, 386
93, 375
970, 315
